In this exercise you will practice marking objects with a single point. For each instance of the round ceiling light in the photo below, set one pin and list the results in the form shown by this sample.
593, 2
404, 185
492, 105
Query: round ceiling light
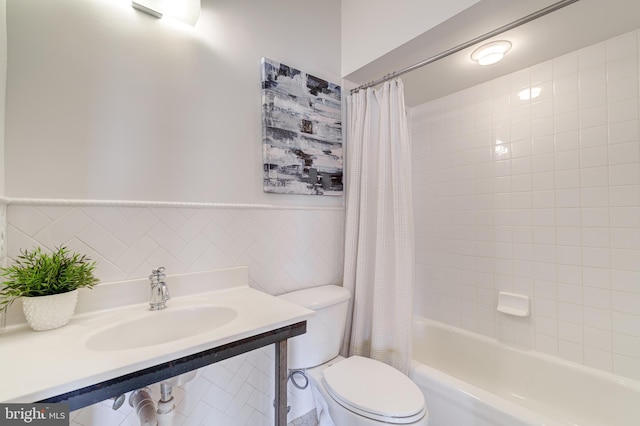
491, 53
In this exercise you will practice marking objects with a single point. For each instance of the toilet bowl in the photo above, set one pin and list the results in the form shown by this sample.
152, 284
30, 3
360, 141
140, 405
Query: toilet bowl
364, 392
357, 391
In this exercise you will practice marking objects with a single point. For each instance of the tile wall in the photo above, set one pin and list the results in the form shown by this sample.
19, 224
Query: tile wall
538, 196
285, 249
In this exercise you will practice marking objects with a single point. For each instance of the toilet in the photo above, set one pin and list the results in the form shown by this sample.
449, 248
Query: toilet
357, 391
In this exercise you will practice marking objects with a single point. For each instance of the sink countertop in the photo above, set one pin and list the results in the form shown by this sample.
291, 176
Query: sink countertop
39, 365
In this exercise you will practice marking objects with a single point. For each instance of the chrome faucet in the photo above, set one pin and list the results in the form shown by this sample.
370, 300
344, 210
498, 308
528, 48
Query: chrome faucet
159, 289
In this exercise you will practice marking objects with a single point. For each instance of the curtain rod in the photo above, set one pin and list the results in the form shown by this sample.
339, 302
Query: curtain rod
483, 37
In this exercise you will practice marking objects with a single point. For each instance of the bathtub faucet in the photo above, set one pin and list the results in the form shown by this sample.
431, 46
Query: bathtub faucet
159, 289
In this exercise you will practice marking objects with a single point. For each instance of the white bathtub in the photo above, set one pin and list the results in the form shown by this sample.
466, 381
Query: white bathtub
471, 380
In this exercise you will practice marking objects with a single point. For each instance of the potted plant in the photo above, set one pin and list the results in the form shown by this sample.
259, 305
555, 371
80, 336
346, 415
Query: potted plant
48, 284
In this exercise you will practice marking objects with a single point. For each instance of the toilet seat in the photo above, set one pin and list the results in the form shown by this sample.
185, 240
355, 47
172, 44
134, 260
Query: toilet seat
374, 390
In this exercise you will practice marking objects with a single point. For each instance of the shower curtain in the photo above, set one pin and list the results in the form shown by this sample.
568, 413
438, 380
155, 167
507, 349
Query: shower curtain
379, 241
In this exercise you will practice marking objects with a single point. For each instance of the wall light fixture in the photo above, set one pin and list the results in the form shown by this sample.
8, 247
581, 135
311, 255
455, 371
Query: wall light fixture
491, 53
185, 10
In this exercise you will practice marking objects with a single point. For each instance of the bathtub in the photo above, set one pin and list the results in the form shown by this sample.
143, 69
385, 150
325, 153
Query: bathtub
471, 380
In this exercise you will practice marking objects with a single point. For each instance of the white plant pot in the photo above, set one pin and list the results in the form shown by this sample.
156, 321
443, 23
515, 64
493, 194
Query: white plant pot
49, 312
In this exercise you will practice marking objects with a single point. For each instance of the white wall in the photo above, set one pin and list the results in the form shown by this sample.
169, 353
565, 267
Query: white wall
104, 102
372, 28
3, 88
537, 197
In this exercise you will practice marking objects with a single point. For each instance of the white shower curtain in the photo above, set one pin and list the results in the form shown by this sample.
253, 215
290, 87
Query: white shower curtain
379, 242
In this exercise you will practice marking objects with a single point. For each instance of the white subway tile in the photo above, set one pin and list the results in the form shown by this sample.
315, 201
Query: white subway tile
568, 236
567, 198
622, 68
523, 251
625, 238
564, 84
521, 166
627, 281
521, 131
596, 298
594, 136
569, 293
63, 228
546, 290
541, 127
541, 72
624, 174
569, 140
102, 241
570, 217
545, 307
565, 64
595, 197
628, 303
569, 255
521, 148
625, 259
566, 103
623, 89
544, 181
544, 235
542, 145
621, 46
597, 318
522, 234
626, 323
625, 217
625, 195
596, 277
593, 96
565, 179
567, 122
598, 338
593, 157
569, 274
594, 177
543, 163
594, 116
595, 237
570, 331
595, 217
592, 56
593, 76
623, 111
542, 109
623, 131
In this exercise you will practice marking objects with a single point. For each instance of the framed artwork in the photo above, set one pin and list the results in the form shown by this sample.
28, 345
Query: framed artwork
301, 132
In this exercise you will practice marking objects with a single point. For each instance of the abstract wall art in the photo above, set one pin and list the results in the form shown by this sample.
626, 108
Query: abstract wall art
301, 132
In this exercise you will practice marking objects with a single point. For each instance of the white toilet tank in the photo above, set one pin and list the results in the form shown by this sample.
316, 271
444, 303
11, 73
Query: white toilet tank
325, 330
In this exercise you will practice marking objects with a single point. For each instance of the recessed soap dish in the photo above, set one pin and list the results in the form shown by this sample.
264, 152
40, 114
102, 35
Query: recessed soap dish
514, 304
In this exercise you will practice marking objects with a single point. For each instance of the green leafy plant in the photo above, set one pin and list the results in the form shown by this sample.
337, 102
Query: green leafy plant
36, 273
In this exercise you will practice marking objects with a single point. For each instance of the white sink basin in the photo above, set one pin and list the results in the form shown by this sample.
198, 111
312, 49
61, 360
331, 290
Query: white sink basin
157, 327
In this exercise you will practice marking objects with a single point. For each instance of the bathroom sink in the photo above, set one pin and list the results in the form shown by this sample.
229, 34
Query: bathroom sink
157, 327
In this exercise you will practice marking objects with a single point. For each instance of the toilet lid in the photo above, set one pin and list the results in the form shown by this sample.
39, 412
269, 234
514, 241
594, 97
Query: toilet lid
375, 390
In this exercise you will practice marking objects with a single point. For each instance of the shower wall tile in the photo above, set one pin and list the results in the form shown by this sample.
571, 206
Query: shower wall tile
539, 197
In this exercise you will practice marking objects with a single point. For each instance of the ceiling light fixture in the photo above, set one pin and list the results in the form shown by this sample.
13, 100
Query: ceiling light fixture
491, 53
